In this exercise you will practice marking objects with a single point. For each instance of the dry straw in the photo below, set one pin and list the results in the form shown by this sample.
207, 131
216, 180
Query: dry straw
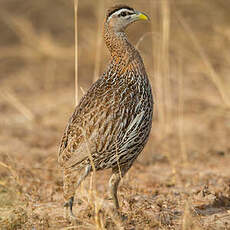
99, 40
13, 100
76, 50
212, 73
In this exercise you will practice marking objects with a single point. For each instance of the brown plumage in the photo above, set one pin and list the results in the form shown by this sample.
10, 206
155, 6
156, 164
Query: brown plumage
111, 124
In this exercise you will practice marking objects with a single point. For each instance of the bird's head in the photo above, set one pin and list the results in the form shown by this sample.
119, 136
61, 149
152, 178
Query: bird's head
119, 17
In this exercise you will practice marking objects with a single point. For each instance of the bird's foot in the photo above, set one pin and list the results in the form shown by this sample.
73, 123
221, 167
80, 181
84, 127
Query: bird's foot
122, 216
119, 215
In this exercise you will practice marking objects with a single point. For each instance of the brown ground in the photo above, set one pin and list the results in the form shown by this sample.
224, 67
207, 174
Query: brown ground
181, 180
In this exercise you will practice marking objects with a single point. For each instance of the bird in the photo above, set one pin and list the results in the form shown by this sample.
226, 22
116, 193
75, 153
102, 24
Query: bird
111, 124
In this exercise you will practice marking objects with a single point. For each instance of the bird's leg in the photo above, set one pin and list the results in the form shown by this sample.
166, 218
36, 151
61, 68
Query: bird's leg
69, 187
69, 205
113, 185
114, 181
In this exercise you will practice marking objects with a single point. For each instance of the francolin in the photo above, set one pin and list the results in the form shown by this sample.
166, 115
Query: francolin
111, 124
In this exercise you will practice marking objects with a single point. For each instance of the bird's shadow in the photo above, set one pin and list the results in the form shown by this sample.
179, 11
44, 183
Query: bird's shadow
220, 204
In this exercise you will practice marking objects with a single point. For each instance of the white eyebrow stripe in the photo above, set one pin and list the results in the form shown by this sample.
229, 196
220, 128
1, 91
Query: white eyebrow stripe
119, 11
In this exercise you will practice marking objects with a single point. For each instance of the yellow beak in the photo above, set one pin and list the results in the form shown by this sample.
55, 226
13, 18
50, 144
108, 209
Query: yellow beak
142, 16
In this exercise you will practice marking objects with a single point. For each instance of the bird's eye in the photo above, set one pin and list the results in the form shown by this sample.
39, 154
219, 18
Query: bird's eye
123, 14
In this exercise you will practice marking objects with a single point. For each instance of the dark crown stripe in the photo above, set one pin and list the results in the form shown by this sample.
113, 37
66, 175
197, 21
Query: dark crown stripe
116, 8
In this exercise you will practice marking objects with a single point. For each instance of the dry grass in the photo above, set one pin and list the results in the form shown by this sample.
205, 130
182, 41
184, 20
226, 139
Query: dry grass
181, 180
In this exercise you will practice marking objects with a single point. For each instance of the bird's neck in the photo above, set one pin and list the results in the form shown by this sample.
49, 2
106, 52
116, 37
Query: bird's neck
118, 44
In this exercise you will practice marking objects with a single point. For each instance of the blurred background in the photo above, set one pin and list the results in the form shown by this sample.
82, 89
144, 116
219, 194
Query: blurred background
185, 49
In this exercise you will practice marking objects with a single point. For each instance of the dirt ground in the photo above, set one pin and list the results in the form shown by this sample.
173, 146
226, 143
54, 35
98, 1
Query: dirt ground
182, 178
